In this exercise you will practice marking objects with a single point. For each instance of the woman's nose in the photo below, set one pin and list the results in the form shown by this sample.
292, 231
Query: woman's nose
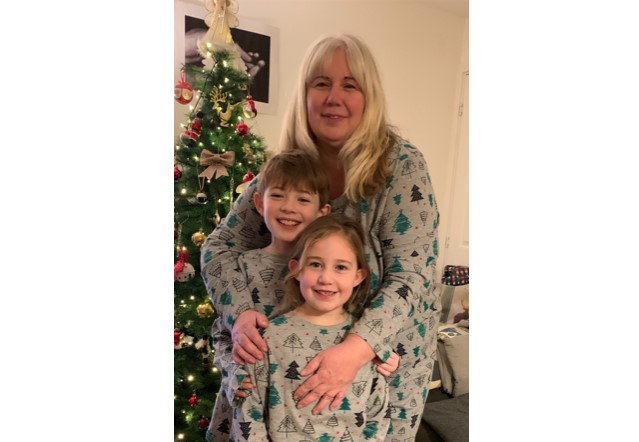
334, 95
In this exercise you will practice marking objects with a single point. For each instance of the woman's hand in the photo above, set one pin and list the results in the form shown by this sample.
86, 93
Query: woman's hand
248, 345
386, 368
333, 370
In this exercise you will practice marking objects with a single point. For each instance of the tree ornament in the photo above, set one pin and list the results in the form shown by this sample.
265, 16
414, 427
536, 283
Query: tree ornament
216, 219
218, 97
241, 128
183, 271
198, 238
221, 18
177, 174
203, 422
216, 164
192, 132
206, 363
205, 310
193, 400
246, 179
248, 108
187, 273
201, 197
176, 337
248, 154
183, 90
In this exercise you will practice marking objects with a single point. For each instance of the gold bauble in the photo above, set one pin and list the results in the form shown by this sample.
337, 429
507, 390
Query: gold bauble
198, 238
205, 310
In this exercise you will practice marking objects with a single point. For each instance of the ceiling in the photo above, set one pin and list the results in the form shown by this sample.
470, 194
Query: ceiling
457, 7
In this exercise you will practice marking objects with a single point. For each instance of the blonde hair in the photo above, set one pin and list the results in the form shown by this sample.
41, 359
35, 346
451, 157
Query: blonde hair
363, 156
321, 228
294, 169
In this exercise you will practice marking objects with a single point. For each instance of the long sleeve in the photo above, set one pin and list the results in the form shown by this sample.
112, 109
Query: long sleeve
270, 412
242, 229
249, 417
401, 223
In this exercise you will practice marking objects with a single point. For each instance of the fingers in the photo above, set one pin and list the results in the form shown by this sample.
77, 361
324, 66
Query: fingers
382, 370
321, 404
336, 402
261, 321
240, 356
311, 367
239, 394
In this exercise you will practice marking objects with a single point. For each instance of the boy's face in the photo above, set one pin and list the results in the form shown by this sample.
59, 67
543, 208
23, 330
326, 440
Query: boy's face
287, 212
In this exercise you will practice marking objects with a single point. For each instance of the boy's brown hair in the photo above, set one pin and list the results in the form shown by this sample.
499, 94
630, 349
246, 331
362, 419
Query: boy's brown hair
294, 169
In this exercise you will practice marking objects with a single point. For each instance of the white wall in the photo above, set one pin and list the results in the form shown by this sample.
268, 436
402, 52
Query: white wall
421, 52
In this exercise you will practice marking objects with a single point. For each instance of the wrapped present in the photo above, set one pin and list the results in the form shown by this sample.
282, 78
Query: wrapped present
455, 275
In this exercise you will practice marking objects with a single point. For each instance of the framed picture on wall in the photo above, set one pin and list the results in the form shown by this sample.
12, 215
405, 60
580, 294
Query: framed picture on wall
258, 45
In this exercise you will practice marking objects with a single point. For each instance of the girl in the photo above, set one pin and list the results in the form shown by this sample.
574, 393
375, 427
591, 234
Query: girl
324, 291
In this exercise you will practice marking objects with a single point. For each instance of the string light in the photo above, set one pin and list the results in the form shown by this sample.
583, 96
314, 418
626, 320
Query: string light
190, 378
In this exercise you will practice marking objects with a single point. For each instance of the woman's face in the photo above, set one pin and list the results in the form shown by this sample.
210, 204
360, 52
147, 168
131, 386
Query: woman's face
335, 103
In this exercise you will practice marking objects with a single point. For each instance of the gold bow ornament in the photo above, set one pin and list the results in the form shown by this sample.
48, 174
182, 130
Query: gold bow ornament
217, 163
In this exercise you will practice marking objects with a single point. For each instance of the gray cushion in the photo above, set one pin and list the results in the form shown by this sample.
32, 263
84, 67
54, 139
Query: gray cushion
453, 359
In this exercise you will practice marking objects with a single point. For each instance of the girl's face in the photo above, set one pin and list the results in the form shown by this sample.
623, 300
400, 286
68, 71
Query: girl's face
335, 103
286, 213
328, 275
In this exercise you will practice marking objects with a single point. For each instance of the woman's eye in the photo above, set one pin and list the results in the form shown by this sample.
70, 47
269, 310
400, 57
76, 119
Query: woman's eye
320, 84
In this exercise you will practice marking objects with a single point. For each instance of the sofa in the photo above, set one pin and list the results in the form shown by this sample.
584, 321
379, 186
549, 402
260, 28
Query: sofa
446, 412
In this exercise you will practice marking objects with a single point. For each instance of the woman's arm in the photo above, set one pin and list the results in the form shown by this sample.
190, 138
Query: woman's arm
242, 229
407, 225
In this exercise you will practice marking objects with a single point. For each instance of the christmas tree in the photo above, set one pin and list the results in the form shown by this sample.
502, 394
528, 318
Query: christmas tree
215, 155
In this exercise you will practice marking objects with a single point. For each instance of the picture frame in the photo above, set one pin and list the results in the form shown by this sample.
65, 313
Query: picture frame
260, 42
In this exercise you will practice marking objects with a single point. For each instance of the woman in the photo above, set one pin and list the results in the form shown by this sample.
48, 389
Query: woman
338, 112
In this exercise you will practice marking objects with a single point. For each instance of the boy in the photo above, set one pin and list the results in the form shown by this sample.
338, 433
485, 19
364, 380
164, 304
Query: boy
292, 191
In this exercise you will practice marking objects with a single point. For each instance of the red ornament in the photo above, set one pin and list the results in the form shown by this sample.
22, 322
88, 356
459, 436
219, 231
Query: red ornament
203, 422
180, 265
248, 108
183, 90
176, 337
193, 400
245, 180
177, 174
192, 133
241, 128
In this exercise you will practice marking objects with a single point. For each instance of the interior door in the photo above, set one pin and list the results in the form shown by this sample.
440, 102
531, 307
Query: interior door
457, 242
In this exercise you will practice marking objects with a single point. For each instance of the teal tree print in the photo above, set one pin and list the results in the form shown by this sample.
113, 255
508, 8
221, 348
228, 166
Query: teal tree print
402, 223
